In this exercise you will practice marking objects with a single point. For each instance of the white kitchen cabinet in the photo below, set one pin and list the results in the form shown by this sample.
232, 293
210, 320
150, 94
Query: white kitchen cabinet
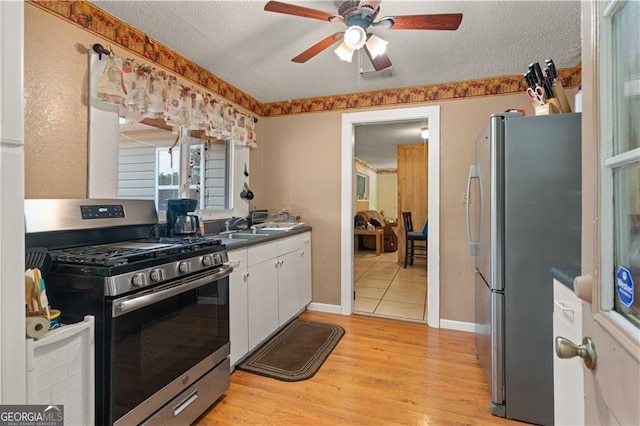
270, 284
305, 273
238, 305
289, 272
262, 292
294, 275
567, 373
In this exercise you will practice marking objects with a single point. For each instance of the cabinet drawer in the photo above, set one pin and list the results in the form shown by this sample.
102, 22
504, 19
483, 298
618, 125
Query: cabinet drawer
238, 259
295, 242
262, 252
305, 239
567, 307
289, 244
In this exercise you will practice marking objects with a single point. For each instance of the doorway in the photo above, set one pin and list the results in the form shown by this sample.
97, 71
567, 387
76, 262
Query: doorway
349, 121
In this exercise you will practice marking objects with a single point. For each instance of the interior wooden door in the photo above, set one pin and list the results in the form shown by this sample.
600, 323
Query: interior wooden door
413, 188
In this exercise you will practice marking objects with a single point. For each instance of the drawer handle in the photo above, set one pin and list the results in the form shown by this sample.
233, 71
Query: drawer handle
564, 307
184, 404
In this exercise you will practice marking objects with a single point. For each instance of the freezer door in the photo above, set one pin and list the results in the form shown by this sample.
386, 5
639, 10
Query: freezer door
489, 339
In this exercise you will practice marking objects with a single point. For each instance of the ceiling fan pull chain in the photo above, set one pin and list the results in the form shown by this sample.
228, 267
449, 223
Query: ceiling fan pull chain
359, 65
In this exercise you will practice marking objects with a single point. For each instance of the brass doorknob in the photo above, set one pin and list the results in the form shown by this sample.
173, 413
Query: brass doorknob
565, 348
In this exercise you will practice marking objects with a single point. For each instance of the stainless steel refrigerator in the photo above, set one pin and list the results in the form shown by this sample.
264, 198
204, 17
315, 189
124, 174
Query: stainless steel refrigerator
523, 218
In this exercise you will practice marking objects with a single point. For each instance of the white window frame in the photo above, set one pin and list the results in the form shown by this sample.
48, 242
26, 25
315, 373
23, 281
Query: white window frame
619, 327
159, 187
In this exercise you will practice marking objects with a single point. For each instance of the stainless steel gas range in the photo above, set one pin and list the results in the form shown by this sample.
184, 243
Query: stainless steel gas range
161, 306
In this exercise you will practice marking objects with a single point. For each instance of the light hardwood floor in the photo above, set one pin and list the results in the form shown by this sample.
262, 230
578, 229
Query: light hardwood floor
384, 288
382, 372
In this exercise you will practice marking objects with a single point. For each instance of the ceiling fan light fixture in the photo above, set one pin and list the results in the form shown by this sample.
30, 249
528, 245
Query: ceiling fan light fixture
376, 45
344, 52
355, 37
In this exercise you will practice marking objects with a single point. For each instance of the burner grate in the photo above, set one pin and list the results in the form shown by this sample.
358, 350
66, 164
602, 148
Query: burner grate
130, 251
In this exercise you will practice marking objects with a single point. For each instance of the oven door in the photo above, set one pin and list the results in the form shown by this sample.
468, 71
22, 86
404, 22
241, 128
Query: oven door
160, 341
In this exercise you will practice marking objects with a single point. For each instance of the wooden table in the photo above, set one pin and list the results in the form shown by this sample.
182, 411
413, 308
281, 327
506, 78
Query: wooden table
378, 232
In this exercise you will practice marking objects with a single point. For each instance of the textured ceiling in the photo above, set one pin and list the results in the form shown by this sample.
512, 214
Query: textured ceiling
376, 143
252, 49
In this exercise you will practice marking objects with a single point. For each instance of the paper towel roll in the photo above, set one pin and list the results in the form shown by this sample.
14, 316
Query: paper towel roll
37, 327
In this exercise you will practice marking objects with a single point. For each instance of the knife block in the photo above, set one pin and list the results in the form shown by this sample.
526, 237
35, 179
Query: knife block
552, 106
558, 91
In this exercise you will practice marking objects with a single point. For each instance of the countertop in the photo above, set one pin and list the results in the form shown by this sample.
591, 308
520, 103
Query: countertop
565, 275
237, 241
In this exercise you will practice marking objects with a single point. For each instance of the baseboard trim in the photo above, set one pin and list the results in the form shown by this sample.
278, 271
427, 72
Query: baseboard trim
469, 327
324, 307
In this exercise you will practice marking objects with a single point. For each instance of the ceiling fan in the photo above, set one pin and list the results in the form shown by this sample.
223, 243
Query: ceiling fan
358, 16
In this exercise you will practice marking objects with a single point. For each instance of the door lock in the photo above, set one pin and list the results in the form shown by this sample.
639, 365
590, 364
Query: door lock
565, 348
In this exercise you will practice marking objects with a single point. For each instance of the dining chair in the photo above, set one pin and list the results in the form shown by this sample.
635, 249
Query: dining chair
411, 249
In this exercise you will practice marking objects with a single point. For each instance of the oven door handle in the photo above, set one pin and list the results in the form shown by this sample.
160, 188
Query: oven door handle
121, 307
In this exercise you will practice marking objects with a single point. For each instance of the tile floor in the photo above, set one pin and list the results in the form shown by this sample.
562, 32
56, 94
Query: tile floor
385, 289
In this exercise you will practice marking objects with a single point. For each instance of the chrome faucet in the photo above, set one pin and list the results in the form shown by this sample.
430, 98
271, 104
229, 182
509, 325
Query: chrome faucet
234, 224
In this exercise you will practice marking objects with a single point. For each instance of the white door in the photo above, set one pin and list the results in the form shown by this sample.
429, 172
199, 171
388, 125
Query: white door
12, 329
611, 210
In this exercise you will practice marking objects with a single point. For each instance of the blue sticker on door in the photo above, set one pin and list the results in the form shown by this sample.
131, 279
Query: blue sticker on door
624, 285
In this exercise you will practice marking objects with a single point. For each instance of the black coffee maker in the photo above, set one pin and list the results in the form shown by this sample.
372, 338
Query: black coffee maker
179, 221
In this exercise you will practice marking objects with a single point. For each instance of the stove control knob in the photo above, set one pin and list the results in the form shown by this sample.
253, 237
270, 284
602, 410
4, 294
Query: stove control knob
183, 268
155, 275
138, 280
206, 261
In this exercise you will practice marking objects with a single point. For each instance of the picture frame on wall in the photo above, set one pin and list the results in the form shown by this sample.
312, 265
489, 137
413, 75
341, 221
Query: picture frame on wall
362, 187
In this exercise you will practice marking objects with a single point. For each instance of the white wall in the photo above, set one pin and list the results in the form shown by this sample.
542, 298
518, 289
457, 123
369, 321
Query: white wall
387, 194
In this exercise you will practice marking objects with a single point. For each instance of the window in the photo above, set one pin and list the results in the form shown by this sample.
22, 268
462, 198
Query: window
147, 170
168, 177
620, 141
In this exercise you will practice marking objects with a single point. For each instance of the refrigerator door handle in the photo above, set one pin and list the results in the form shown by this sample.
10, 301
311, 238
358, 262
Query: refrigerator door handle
474, 246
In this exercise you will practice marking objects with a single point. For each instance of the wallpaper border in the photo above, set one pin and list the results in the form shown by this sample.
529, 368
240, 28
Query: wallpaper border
90, 18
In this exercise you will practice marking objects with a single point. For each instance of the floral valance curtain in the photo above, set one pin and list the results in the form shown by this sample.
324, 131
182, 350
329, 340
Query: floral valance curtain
142, 91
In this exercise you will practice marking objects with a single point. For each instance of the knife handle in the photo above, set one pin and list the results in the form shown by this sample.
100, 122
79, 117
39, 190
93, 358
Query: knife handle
532, 72
546, 85
552, 70
530, 80
538, 70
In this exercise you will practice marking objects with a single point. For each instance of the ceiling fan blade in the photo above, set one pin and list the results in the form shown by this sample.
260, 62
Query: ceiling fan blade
380, 62
318, 47
444, 21
291, 9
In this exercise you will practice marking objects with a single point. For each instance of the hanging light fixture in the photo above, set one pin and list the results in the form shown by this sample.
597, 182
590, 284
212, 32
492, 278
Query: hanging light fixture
354, 38
344, 52
376, 45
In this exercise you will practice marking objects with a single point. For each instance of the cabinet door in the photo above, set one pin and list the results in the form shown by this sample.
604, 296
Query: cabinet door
238, 308
263, 301
289, 273
305, 271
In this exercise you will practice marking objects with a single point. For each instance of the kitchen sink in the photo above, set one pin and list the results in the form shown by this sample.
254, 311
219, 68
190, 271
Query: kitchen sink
259, 231
230, 241
252, 235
